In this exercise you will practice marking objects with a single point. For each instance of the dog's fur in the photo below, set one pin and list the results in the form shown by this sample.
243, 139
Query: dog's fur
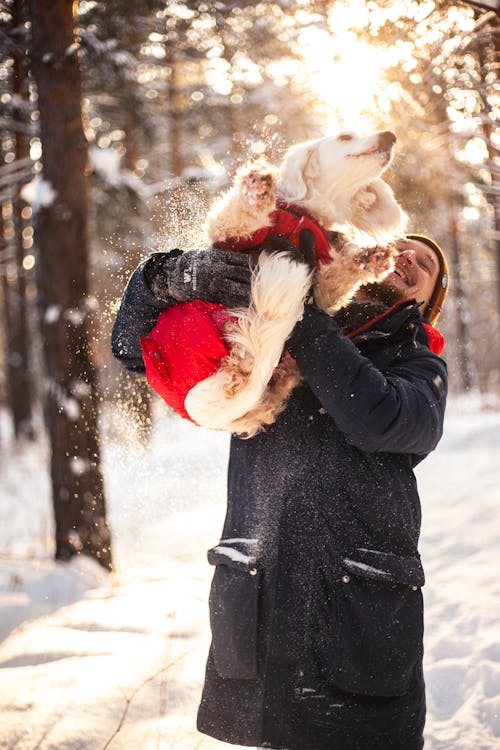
337, 181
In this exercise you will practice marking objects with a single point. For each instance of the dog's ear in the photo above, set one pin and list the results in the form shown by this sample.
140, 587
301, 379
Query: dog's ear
297, 166
376, 211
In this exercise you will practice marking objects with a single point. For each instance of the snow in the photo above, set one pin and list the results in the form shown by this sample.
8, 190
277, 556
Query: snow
80, 389
39, 193
235, 540
107, 164
106, 161
73, 49
366, 568
75, 315
71, 408
234, 554
52, 314
79, 466
90, 661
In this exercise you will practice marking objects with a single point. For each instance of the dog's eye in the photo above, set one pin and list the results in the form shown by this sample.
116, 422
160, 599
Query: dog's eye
345, 137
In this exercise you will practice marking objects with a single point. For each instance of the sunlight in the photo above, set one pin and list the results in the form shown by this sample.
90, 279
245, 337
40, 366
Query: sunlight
474, 151
343, 71
344, 68
346, 71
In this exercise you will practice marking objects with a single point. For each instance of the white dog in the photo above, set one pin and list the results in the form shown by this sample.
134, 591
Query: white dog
325, 185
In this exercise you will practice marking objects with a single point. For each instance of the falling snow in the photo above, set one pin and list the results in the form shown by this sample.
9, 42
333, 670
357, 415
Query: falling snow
71, 408
79, 466
52, 314
79, 389
75, 315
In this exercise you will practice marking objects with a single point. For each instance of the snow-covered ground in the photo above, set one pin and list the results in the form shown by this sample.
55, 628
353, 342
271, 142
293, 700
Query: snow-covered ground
89, 661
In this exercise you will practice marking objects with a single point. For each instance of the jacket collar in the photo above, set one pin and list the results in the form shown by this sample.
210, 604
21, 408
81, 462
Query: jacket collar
403, 314
398, 314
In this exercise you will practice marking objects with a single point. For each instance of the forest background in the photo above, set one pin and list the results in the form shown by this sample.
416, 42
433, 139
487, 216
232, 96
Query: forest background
120, 121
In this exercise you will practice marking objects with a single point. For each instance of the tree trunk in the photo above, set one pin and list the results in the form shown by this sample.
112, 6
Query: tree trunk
5, 297
489, 57
62, 238
134, 391
20, 383
8, 274
463, 340
464, 355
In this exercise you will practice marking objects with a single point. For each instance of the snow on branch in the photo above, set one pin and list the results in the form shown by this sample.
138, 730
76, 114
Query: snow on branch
39, 193
106, 162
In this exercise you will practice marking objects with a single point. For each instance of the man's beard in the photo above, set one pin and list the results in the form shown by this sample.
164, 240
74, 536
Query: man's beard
383, 292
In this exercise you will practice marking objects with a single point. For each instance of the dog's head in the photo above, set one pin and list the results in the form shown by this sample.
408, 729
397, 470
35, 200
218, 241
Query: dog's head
338, 180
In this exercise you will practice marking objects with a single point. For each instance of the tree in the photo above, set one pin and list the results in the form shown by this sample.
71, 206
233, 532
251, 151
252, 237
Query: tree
65, 305
13, 175
444, 106
482, 76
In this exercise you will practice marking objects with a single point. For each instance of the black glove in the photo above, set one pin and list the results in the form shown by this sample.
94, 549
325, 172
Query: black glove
304, 253
211, 275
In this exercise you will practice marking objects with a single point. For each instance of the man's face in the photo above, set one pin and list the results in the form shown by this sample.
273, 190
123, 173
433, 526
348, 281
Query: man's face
415, 276
416, 271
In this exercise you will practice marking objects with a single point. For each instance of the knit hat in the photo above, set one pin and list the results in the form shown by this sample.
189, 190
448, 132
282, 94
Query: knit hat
436, 302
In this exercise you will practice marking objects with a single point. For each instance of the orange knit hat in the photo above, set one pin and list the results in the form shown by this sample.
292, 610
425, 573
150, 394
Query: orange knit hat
436, 302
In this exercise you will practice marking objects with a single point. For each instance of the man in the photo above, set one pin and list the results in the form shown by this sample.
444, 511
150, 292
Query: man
315, 606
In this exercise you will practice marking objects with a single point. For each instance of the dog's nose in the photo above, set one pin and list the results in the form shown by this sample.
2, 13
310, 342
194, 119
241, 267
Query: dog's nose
386, 139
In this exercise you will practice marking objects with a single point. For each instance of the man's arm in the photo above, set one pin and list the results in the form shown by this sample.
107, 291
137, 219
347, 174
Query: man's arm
137, 316
166, 278
399, 412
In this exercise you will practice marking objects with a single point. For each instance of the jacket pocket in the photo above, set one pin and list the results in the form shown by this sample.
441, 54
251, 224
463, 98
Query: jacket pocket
377, 649
234, 608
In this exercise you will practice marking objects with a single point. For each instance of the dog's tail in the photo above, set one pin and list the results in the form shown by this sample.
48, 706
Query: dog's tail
279, 286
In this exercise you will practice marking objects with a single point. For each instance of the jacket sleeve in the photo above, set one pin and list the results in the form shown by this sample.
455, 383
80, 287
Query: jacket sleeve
399, 411
137, 316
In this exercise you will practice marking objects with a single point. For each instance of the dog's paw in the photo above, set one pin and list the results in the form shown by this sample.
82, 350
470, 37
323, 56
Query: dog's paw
258, 189
376, 262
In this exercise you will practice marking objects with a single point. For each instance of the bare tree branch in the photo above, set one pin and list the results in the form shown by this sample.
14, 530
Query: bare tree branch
137, 690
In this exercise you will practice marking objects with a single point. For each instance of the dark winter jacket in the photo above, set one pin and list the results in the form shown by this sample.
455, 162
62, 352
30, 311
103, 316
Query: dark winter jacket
315, 606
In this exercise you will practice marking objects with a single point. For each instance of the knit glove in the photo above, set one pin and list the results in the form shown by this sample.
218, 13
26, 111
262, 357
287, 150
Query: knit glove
219, 276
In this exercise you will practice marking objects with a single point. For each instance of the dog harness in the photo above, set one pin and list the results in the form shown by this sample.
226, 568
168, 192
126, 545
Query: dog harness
287, 221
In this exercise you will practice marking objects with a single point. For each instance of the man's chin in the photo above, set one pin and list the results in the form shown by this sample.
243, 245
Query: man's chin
383, 292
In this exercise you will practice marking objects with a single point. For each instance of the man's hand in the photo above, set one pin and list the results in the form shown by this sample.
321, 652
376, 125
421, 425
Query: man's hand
211, 275
221, 276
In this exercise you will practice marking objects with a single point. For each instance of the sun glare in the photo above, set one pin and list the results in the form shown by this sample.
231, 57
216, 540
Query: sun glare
343, 71
346, 71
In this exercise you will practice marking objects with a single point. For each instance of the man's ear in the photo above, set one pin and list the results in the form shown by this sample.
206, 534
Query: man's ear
376, 211
292, 185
